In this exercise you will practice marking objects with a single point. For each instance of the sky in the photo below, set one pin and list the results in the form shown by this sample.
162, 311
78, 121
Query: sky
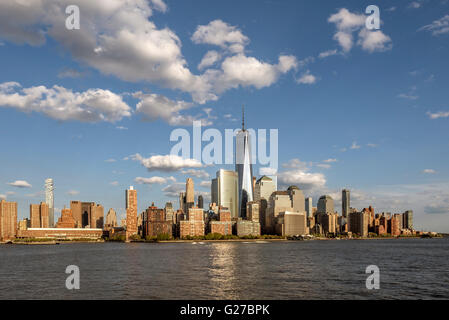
94, 108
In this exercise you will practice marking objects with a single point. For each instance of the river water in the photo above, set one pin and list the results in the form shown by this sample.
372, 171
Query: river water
409, 269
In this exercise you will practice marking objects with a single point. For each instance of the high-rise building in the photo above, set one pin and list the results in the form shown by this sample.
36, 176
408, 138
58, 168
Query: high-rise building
66, 220
224, 191
358, 222
325, 204
182, 202
297, 198
291, 224
309, 207
8, 220
190, 194
50, 201
408, 219
345, 202
111, 219
131, 212
200, 202
264, 187
244, 168
39, 215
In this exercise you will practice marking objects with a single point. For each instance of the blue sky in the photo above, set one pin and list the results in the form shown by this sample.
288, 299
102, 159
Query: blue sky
370, 114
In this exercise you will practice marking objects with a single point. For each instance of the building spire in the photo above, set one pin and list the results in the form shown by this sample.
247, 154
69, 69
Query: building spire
243, 117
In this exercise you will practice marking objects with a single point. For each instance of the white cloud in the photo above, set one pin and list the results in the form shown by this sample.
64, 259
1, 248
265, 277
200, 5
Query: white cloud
173, 190
330, 160
3, 196
414, 5
154, 180
202, 174
307, 78
240, 70
59, 103
436, 209
429, 171
154, 106
209, 59
72, 193
438, 115
355, 146
114, 183
438, 27
328, 53
166, 163
221, 34
408, 96
205, 183
347, 23
20, 184
372, 41
121, 128
305, 180
159, 5
323, 165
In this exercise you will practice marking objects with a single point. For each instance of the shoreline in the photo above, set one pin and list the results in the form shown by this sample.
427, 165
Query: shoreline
59, 242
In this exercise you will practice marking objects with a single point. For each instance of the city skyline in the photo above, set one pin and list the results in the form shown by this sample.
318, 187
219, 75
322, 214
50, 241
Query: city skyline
372, 119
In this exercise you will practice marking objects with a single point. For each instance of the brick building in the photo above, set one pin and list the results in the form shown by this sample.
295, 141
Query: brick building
155, 223
8, 220
224, 224
131, 213
39, 215
66, 220
194, 225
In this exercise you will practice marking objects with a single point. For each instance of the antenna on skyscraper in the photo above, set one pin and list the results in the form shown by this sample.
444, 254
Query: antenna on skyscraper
243, 117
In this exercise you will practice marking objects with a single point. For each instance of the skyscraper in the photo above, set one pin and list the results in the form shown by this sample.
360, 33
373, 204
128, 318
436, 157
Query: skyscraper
345, 203
224, 190
309, 207
8, 220
50, 201
244, 167
190, 194
131, 212
325, 205
265, 186
200, 202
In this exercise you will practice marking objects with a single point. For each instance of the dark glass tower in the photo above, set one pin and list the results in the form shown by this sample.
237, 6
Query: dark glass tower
244, 167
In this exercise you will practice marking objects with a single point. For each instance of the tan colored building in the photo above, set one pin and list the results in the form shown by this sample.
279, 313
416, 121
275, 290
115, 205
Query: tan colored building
190, 194
61, 233
292, 224
131, 213
66, 220
24, 224
111, 219
8, 220
39, 215
359, 222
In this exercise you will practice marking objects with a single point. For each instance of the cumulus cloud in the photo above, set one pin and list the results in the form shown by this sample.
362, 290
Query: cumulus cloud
154, 106
355, 146
438, 115
298, 173
166, 163
347, 23
20, 184
174, 189
155, 180
221, 34
307, 78
429, 171
118, 38
438, 27
205, 183
202, 174
59, 103
209, 59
